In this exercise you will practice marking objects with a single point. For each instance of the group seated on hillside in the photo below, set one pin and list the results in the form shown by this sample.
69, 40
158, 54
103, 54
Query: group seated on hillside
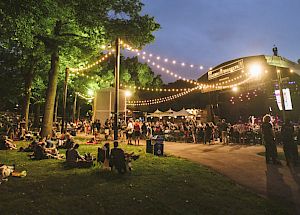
117, 158
42, 150
7, 144
74, 159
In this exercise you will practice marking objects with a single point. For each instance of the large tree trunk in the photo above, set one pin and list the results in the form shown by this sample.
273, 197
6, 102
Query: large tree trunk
37, 113
51, 93
27, 94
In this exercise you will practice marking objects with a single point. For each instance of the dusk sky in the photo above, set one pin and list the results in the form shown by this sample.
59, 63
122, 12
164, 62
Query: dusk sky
209, 32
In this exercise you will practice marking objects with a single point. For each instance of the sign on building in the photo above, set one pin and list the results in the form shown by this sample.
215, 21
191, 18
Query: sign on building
226, 69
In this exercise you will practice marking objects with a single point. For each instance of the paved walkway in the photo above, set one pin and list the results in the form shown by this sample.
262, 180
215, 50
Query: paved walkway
245, 167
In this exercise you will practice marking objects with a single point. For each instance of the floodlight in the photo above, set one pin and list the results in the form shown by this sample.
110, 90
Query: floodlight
255, 70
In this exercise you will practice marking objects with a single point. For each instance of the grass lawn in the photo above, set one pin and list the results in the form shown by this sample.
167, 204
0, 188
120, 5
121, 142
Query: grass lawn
157, 185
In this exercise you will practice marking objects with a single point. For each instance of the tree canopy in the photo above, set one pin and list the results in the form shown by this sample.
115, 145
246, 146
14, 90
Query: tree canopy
49, 35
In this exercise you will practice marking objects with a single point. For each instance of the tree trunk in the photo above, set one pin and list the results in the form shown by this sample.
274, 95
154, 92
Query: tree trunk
78, 112
74, 108
56, 108
50, 97
37, 113
27, 94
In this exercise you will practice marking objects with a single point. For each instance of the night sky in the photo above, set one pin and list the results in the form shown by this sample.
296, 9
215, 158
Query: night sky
209, 32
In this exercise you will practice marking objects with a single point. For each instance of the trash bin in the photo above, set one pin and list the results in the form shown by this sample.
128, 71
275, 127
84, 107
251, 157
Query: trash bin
159, 146
149, 146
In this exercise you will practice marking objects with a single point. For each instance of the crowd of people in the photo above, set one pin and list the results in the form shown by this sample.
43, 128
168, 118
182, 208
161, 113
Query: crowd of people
185, 130
48, 148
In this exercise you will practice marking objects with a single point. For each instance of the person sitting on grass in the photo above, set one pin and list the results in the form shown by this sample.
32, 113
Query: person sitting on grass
128, 159
39, 152
7, 144
103, 156
74, 159
61, 141
68, 143
121, 160
73, 155
117, 159
30, 147
28, 136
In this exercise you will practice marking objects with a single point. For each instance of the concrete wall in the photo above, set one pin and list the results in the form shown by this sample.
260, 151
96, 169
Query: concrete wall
103, 106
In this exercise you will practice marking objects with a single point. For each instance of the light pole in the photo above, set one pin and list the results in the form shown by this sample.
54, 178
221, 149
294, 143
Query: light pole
117, 72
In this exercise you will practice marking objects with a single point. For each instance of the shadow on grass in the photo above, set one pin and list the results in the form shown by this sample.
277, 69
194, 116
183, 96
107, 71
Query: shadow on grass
280, 155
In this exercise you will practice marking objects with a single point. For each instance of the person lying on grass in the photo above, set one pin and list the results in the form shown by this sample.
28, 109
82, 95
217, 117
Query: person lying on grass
6, 171
7, 144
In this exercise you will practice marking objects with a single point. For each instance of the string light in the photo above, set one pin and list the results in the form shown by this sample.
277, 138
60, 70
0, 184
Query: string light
94, 78
89, 66
155, 89
219, 86
160, 100
167, 71
84, 97
216, 86
166, 60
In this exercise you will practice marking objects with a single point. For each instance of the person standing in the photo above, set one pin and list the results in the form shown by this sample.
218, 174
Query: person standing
269, 140
223, 128
289, 146
137, 132
129, 132
208, 134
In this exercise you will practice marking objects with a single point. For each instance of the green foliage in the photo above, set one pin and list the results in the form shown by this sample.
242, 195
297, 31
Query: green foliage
76, 29
140, 74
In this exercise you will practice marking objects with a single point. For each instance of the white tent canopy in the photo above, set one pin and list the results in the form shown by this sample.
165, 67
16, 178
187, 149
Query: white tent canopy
156, 113
170, 113
182, 112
